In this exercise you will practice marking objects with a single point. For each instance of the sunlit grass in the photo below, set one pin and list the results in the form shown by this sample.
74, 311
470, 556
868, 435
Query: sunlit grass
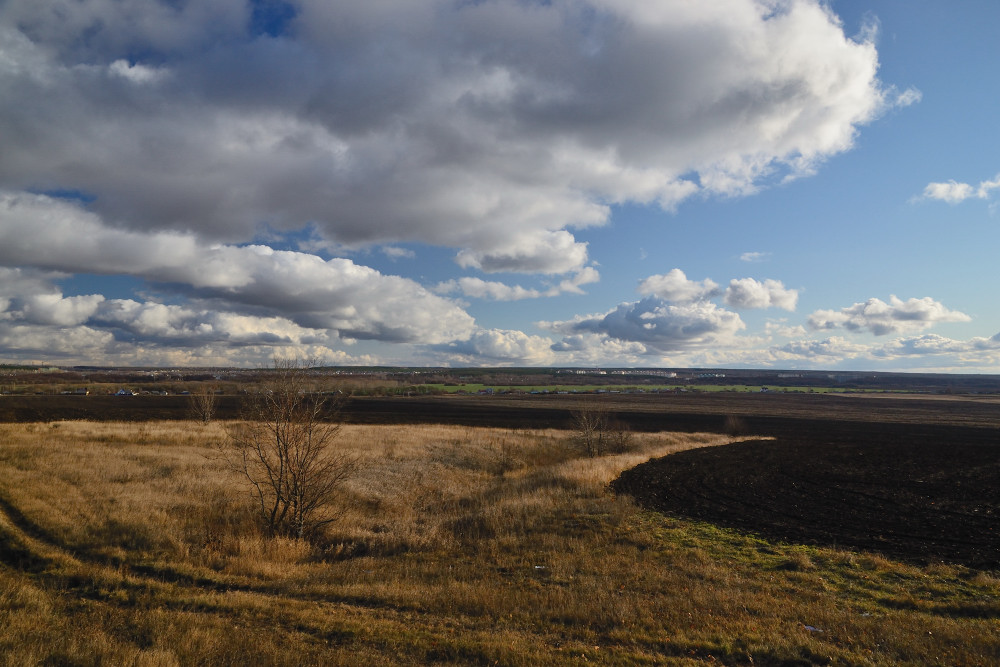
133, 544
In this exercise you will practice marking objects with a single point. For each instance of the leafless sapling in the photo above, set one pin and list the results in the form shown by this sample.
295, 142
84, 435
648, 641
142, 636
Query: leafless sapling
203, 404
285, 446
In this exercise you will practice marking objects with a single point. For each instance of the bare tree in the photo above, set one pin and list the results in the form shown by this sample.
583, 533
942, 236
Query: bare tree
597, 433
619, 437
203, 404
591, 422
285, 447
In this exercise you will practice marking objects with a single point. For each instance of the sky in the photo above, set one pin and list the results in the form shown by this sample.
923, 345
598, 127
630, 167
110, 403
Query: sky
786, 184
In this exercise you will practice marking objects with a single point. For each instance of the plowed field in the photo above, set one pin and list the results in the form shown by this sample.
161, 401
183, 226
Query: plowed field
922, 494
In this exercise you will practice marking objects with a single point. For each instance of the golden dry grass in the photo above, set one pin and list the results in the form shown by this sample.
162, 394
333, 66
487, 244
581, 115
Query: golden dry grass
133, 545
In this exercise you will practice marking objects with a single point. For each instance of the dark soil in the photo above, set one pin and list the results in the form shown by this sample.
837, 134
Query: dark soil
752, 414
922, 494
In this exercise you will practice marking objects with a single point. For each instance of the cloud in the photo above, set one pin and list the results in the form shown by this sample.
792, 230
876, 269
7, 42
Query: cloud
926, 351
881, 318
835, 348
742, 293
138, 74
542, 252
986, 187
908, 97
675, 286
393, 252
37, 322
747, 293
103, 346
493, 128
954, 192
658, 325
589, 349
585, 276
151, 322
499, 346
782, 328
477, 288
696, 332
931, 345
31, 302
18, 283
947, 353
676, 323
53, 344
755, 257
59, 310
185, 143
355, 301
123, 26
951, 192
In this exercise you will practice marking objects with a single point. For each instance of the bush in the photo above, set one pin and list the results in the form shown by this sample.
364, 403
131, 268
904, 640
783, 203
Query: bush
285, 447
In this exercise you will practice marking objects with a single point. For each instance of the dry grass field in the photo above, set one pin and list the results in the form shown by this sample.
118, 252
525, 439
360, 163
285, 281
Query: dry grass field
133, 544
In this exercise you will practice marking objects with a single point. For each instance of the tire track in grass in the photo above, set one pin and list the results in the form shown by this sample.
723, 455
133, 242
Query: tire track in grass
24, 548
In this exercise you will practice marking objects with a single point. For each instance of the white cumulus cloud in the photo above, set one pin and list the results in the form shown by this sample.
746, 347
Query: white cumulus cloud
675, 286
499, 346
477, 288
54, 308
658, 324
954, 192
881, 318
747, 293
833, 348
950, 191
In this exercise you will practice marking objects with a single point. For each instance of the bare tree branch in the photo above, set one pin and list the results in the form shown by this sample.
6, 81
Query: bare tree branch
203, 404
597, 433
285, 447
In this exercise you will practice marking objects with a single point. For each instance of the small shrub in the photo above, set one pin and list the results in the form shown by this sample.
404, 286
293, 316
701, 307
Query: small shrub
798, 561
598, 434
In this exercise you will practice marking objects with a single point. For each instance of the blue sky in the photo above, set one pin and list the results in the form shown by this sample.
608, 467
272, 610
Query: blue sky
778, 184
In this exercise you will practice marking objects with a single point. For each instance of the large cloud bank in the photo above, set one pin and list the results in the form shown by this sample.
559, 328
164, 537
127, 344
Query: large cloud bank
490, 127
163, 140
